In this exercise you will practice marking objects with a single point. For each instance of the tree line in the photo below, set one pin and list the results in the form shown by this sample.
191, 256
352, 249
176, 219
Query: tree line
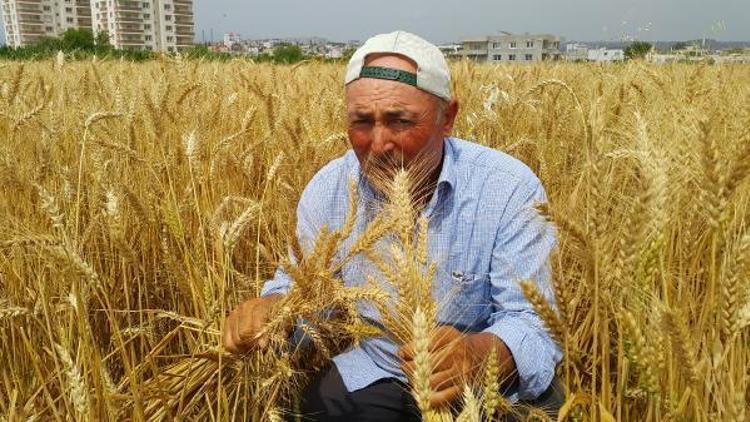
84, 44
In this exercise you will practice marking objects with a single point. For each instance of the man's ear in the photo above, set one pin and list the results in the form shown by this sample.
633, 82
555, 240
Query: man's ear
449, 117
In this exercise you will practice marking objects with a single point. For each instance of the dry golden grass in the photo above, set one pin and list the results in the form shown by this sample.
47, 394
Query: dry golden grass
141, 202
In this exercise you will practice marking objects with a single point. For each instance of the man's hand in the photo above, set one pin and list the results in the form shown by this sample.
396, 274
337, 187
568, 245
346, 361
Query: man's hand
455, 359
243, 327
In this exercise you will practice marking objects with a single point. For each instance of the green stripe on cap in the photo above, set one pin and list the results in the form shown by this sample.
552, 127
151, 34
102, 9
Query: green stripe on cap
389, 74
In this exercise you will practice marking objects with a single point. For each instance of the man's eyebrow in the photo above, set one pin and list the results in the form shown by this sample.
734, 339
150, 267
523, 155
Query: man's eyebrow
398, 113
394, 113
360, 114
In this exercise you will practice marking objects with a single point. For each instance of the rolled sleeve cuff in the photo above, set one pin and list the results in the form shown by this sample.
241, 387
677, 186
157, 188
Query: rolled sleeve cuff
535, 365
277, 285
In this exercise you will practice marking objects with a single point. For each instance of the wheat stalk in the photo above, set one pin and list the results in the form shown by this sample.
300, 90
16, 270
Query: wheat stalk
78, 391
422, 361
555, 327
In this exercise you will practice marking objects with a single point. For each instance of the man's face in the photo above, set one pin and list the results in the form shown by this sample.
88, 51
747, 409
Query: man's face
391, 124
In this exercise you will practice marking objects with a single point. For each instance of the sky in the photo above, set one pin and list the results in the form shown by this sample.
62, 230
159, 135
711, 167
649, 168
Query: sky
443, 21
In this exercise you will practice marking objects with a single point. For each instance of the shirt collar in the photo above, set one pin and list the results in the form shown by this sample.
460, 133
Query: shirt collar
446, 181
448, 171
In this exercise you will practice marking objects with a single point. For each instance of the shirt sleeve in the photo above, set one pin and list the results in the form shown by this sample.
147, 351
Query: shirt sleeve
309, 222
521, 252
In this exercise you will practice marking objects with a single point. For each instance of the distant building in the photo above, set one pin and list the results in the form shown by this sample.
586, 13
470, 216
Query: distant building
693, 50
710, 58
335, 52
270, 44
512, 48
732, 58
231, 39
158, 25
576, 52
451, 50
26, 21
606, 55
658, 58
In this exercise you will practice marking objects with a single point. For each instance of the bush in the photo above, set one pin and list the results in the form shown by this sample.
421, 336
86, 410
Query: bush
637, 50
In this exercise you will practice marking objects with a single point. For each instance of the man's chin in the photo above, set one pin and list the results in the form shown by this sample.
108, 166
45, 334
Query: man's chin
379, 178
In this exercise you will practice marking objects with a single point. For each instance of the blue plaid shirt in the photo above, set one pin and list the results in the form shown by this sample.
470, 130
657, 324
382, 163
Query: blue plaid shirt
485, 236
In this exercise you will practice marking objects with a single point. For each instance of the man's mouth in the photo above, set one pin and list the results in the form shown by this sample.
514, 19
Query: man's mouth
380, 170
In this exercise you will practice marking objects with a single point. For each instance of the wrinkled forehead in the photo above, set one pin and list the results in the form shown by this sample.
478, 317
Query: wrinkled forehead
369, 93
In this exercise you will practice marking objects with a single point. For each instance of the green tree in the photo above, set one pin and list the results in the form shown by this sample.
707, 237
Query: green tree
47, 44
78, 39
347, 54
680, 45
637, 50
102, 39
287, 53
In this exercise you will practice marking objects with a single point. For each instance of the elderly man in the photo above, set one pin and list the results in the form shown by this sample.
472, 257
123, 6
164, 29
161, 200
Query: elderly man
483, 231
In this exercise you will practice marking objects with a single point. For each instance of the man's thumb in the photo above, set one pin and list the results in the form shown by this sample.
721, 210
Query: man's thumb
263, 342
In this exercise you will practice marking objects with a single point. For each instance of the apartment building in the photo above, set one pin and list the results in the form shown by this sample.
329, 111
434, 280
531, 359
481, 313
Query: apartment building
606, 55
26, 21
576, 52
157, 25
512, 48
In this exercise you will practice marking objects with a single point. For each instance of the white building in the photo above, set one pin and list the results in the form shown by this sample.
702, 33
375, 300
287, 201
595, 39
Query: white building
450, 50
335, 52
157, 25
732, 58
576, 52
230, 39
605, 55
512, 48
26, 21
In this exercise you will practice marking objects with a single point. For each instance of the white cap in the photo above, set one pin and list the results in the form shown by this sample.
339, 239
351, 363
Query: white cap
433, 75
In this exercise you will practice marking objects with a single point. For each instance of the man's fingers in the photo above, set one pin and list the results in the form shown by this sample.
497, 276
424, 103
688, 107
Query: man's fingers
442, 336
406, 352
408, 367
261, 341
239, 341
437, 339
442, 380
229, 328
444, 397
244, 326
441, 360
246, 331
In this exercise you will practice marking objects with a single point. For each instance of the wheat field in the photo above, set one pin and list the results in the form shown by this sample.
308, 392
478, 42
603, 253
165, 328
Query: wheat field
140, 203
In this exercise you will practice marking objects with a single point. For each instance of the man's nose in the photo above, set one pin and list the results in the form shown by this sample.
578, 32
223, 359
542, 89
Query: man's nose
381, 140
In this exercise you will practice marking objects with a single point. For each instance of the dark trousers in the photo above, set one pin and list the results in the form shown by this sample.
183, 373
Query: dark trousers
326, 399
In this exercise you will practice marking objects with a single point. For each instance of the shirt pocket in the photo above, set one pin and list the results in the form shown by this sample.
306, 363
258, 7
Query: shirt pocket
463, 299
